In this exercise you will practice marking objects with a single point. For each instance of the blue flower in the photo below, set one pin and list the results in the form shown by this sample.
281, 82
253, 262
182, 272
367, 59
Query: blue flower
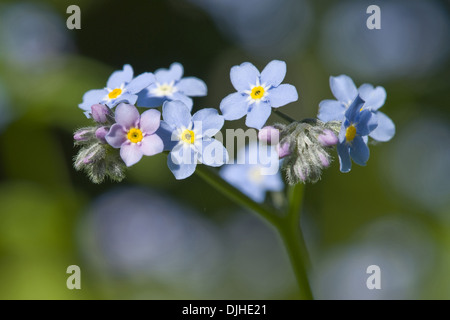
189, 138
170, 86
257, 93
121, 87
251, 173
345, 92
355, 128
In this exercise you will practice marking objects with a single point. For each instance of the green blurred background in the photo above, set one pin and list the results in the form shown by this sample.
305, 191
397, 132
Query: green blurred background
152, 237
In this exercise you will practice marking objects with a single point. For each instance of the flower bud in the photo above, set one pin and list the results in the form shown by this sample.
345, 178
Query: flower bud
100, 133
283, 150
324, 160
327, 138
81, 135
99, 113
269, 135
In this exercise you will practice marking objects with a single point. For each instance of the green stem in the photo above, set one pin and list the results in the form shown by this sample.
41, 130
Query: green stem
288, 226
284, 116
292, 237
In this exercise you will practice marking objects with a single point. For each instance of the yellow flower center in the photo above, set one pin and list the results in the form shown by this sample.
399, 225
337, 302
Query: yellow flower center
115, 93
188, 136
257, 92
135, 135
165, 89
350, 133
255, 175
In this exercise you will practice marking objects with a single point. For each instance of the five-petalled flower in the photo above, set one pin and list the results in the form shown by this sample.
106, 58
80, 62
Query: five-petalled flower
121, 87
135, 134
170, 86
345, 91
257, 93
353, 135
252, 173
189, 138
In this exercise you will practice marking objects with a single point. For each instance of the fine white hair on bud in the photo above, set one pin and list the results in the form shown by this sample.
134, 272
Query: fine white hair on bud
308, 154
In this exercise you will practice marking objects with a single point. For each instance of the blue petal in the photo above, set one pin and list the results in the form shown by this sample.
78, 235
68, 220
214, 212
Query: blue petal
213, 153
331, 110
165, 132
344, 157
184, 169
365, 123
359, 151
192, 86
258, 116
282, 95
145, 99
274, 73
119, 77
92, 97
234, 106
343, 88
174, 73
207, 121
341, 136
244, 76
374, 98
183, 98
273, 182
353, 110
140, 82
126, 98
237, 176
385, 130
176, 114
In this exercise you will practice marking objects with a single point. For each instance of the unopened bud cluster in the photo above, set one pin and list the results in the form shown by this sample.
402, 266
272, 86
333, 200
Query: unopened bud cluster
305, 147
98, 159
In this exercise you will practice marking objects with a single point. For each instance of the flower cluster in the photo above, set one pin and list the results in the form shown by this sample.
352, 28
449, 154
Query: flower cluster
122, 134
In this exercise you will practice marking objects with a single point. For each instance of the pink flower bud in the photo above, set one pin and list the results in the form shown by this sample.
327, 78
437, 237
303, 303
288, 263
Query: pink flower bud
283, 150
269, 135
324, 160
101, 132
80, 135
327, 138
99, 113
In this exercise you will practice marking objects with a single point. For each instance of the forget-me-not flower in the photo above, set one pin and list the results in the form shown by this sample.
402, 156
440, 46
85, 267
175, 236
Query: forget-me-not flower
121, 87
345, 91
170, 86
135, 134
189, 138
355, 128
252, 177
257, 93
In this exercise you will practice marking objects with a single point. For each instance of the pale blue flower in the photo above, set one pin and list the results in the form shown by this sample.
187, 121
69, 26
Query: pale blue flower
169, 86
251, 174
257, 93
345, 92
121, 87
189, 138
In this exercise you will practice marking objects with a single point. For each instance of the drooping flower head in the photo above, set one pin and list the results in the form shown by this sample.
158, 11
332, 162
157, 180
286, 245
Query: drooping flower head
251, 174
135, 134
189, 138
257, 93
353, 135
169, 86
121, 87
345, 91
